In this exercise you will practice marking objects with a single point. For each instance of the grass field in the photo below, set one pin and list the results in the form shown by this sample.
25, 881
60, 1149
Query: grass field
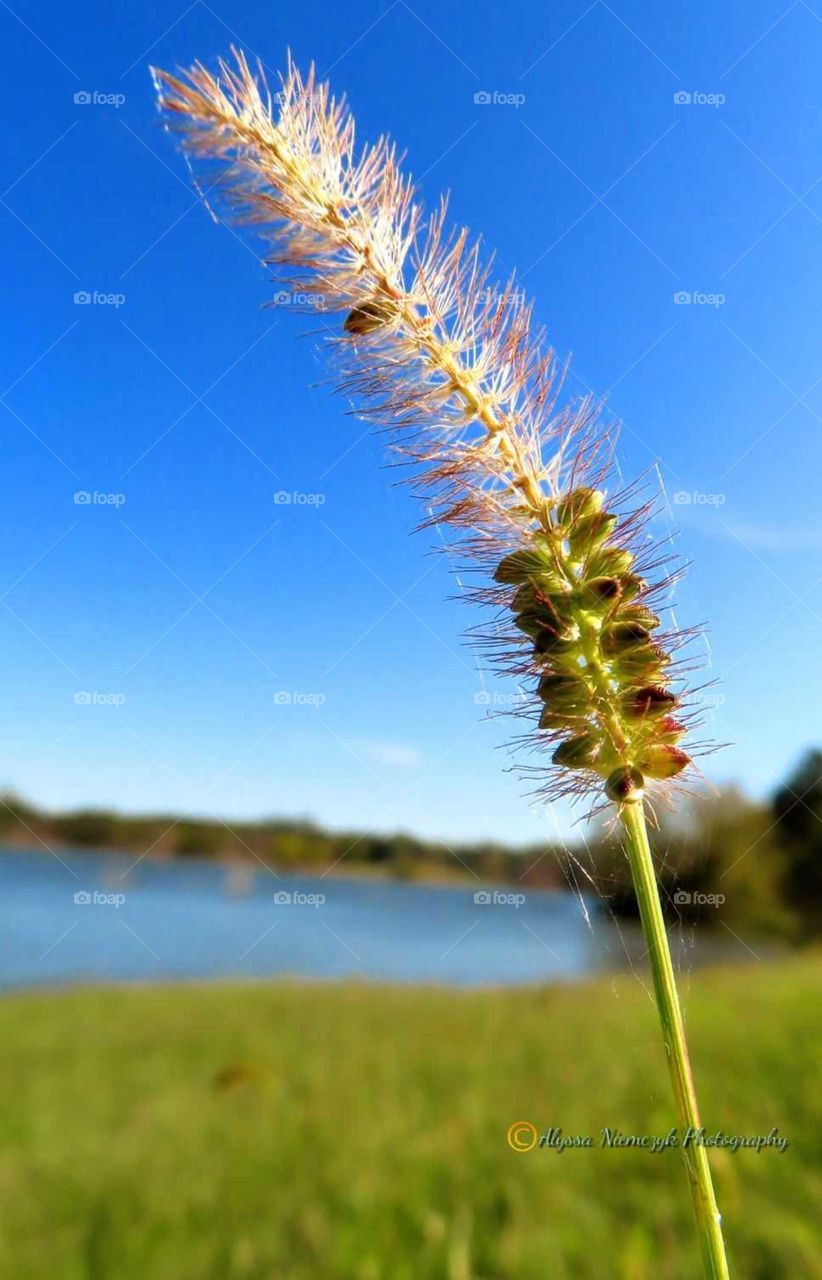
313, 1132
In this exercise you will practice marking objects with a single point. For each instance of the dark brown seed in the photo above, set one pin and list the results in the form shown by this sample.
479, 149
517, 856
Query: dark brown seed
624, 783
525, 598
530, 623
622, 636
599, 591
576, 753
553, 640
564, 693
368, 316
652, 701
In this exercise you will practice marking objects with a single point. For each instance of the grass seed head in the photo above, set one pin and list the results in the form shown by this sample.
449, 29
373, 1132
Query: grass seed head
455, 368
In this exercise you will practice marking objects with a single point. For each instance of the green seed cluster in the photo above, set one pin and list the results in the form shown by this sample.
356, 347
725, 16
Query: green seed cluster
602, 675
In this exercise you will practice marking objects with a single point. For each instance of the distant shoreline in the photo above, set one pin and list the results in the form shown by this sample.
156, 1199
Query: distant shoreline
432, 876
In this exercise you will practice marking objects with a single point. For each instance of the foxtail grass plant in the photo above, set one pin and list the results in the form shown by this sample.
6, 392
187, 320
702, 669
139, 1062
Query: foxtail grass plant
427, 346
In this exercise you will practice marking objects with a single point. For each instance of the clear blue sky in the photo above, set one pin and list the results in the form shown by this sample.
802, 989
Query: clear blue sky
198, 599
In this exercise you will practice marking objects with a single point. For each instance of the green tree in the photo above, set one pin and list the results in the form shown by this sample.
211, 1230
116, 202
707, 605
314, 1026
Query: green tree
797, 809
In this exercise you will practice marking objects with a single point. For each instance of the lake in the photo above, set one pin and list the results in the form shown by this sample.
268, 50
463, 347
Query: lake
88, 917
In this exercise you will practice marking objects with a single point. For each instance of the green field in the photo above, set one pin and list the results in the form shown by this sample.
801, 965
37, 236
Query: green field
316, 1132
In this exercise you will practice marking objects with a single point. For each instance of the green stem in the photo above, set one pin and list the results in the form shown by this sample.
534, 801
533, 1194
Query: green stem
707, 1215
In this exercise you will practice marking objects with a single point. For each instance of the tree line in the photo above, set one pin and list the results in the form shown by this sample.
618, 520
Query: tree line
723, 858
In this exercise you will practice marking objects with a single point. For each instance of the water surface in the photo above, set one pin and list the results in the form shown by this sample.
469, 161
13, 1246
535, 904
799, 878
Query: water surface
86, 917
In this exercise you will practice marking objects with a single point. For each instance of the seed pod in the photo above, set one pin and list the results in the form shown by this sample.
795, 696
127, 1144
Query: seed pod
564, 693
531, 623
620, 637
532, 597
608, 562
565, 612
527, 564
632, 584
637, 613
551, 584
552, 719
368, 316
650, 701
536, 623
579, 502
577, 753
664, 761
525, 598
643, 664
598, 592
669, 730
624, 783
590, 531
551, 642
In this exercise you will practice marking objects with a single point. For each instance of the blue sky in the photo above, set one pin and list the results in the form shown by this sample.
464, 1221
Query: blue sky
187, 603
